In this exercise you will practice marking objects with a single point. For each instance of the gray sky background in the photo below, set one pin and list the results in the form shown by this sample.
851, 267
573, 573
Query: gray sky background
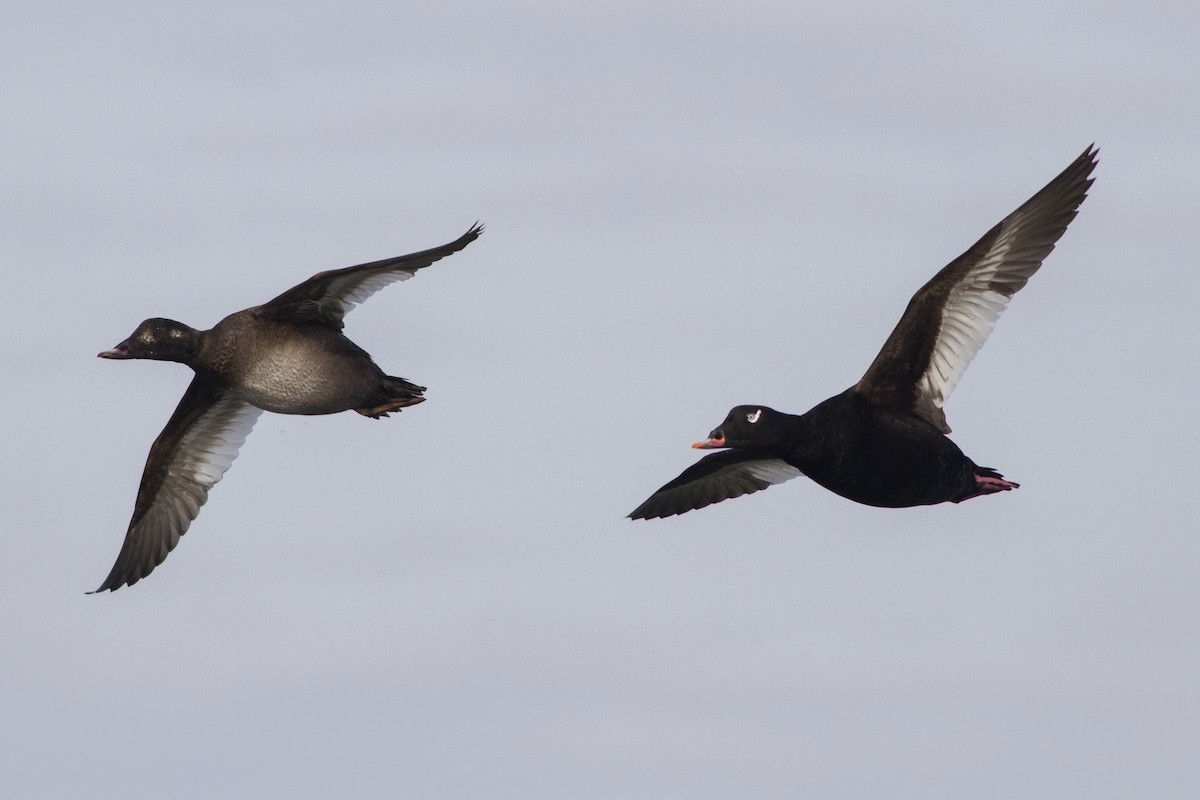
688, 206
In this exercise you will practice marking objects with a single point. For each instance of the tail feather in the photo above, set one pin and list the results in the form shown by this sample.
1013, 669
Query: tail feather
399, 392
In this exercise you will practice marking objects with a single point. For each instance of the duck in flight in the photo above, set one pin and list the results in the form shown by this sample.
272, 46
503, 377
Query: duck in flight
883, 441
288, 356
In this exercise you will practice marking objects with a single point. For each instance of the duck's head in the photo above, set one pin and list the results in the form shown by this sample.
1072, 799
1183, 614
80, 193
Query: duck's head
746, 426
158, 339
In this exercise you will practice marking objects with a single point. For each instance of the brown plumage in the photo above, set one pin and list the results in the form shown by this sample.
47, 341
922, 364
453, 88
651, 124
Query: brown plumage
288, 356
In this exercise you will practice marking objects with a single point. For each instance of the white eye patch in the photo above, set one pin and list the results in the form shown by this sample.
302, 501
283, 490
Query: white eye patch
753, 418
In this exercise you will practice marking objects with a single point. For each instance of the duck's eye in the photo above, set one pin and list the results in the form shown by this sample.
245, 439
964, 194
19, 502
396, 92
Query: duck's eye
753, 417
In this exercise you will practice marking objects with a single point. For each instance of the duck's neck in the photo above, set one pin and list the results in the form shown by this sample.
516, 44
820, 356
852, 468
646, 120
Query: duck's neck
182, 344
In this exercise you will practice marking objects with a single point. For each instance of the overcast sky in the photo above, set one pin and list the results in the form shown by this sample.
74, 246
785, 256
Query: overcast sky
688, 206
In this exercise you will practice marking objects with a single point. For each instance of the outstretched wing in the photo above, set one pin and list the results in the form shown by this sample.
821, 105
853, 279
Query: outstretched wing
328, 296
950, 318
716, 477
187, 459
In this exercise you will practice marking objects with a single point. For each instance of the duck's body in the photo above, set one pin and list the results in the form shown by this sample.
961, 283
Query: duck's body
878, 457
288, 356
882, 442
293, 367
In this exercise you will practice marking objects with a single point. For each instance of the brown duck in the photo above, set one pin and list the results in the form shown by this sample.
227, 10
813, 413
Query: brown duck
288, 356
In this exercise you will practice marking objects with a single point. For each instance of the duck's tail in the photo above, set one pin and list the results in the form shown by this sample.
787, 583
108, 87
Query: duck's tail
400, 394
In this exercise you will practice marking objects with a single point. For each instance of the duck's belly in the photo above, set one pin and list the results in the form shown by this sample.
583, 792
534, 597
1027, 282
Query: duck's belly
297, 380
900, 483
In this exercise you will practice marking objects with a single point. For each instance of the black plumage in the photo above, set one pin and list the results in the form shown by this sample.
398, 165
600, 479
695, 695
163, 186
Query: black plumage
882, 441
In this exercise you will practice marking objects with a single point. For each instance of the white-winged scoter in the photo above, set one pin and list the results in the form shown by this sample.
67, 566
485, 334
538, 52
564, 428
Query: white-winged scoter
288, 356
882, 442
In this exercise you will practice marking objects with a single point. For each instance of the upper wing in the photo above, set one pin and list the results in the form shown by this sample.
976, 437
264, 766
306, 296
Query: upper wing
328, 296
187, 459
716, 477
949, 318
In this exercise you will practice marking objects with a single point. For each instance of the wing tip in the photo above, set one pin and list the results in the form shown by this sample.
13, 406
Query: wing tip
111, 584
473, 233
1082, 169
646, 512
119, 577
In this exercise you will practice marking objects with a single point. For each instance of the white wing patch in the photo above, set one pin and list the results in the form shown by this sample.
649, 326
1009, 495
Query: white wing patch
702, 485
350, 290
771, 470
203, 455
970, 314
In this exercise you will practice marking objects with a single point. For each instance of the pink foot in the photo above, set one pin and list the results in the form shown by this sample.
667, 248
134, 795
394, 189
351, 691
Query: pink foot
989, 483
396, 404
